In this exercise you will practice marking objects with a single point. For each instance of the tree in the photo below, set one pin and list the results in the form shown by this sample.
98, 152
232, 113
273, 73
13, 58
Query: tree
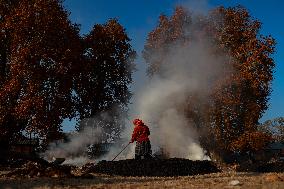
238, 98
102, 87
242, 98
49, 72
274, 127
38, 61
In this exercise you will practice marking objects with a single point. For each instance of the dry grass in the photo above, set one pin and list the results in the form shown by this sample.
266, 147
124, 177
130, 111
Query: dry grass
216, 180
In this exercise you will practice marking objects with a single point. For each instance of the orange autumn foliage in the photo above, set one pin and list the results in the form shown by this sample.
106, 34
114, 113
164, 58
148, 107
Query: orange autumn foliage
39, 56
47, 76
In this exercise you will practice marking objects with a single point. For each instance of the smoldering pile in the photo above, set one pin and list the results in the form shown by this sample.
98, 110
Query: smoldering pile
154, 167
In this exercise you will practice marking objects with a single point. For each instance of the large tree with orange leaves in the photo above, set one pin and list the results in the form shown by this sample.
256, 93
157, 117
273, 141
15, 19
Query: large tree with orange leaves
48, 72
238, 98
38, 57
242, 99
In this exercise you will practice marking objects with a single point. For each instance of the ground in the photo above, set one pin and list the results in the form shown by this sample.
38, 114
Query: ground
215, 180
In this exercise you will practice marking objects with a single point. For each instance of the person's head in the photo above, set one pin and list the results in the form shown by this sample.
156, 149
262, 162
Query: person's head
137, 122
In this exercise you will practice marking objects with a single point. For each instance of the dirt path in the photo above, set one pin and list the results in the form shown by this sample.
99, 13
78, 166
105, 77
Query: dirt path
216, 180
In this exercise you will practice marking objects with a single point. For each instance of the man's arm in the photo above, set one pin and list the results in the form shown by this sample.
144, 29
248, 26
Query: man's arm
134, 135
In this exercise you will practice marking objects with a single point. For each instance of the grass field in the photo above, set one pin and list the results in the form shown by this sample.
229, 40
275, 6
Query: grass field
214, 180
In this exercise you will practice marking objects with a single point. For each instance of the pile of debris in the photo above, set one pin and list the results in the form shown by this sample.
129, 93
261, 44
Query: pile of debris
39, 168
154, 167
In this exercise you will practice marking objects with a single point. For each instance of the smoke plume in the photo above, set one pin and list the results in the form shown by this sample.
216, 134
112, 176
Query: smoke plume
187, 70
74, 149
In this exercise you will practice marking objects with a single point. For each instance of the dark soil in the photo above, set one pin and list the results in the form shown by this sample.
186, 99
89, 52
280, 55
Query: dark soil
155, 167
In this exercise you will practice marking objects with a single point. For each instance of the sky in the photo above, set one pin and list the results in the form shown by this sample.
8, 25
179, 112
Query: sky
139, 17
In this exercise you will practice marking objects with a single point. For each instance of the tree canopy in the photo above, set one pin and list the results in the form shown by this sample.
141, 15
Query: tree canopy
48, 72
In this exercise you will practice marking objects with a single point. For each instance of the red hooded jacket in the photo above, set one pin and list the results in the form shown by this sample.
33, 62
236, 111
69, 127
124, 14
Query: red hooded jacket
140, 133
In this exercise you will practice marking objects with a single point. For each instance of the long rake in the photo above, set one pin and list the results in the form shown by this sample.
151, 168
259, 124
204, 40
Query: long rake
121, 151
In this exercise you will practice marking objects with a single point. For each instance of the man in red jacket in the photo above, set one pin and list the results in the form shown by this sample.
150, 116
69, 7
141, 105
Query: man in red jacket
141, 136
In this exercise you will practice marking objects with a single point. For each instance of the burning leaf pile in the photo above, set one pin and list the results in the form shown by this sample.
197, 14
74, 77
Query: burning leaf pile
154, 167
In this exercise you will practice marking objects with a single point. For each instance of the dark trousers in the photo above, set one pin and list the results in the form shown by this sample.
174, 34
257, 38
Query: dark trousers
143, 150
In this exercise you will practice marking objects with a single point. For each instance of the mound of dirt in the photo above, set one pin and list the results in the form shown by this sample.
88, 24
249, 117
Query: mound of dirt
154, 167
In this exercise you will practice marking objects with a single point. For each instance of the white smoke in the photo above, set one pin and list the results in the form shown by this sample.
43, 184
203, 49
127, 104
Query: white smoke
186, 70
74, 150
78, 161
